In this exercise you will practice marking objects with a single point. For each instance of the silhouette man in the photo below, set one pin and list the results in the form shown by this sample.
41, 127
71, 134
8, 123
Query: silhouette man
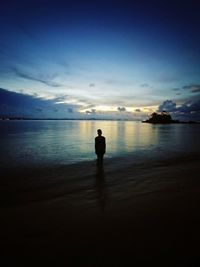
100, 146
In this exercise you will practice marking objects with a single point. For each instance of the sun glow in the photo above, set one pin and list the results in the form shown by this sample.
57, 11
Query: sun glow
100, 108
106, 108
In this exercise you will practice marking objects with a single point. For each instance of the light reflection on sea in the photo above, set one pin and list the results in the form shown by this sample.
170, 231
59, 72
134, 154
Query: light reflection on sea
30, 143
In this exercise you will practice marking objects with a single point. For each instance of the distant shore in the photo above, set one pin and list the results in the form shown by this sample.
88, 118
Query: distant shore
84, 215
63, 119
90, 119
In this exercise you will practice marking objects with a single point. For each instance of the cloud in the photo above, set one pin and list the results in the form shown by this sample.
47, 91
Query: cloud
190, 110
167, 105
189, 107
194, 88
61, 98
144, 85
89, 105
70, 110
92, 85
92, 111
121, 109
45, 79
14, 104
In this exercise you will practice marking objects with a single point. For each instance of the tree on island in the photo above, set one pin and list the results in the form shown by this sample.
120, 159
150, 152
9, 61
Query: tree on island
163, 117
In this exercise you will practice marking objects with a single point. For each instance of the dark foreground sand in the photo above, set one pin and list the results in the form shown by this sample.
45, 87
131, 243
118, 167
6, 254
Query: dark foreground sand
82, 215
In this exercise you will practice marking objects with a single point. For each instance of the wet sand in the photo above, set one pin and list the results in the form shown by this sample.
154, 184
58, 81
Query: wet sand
122, 214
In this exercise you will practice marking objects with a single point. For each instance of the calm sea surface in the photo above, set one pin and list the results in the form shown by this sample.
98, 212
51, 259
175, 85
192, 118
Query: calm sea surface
35, 143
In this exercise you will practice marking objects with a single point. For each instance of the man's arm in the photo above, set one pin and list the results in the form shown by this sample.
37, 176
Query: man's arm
95, 144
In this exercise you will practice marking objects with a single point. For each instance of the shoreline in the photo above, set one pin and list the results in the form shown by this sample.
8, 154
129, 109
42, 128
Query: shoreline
145, 158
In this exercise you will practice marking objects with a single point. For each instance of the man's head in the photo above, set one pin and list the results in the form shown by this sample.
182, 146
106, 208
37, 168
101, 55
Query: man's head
99, 131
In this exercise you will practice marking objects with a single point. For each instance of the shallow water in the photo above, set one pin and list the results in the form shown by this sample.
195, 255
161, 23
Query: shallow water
44, 143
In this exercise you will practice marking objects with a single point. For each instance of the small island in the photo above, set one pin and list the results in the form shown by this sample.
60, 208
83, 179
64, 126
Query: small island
163, 117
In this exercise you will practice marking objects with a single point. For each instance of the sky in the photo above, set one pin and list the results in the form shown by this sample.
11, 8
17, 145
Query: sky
100, 59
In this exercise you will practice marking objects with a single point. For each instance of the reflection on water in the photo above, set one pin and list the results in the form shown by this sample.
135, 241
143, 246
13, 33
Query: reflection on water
65, 142
100, 187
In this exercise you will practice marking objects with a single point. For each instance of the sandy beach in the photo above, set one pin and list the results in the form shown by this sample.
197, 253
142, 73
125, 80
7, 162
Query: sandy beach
121, 214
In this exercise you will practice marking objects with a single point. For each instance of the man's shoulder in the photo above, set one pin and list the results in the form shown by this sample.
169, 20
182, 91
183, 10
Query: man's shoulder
103, 138
100, 137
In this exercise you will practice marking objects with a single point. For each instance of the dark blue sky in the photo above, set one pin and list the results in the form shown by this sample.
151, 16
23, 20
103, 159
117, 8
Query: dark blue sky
103, 58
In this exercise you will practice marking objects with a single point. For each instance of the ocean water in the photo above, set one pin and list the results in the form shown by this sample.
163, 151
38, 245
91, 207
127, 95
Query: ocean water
48, 142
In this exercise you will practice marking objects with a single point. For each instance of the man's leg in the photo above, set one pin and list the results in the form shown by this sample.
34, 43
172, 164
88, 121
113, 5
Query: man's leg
100, 159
